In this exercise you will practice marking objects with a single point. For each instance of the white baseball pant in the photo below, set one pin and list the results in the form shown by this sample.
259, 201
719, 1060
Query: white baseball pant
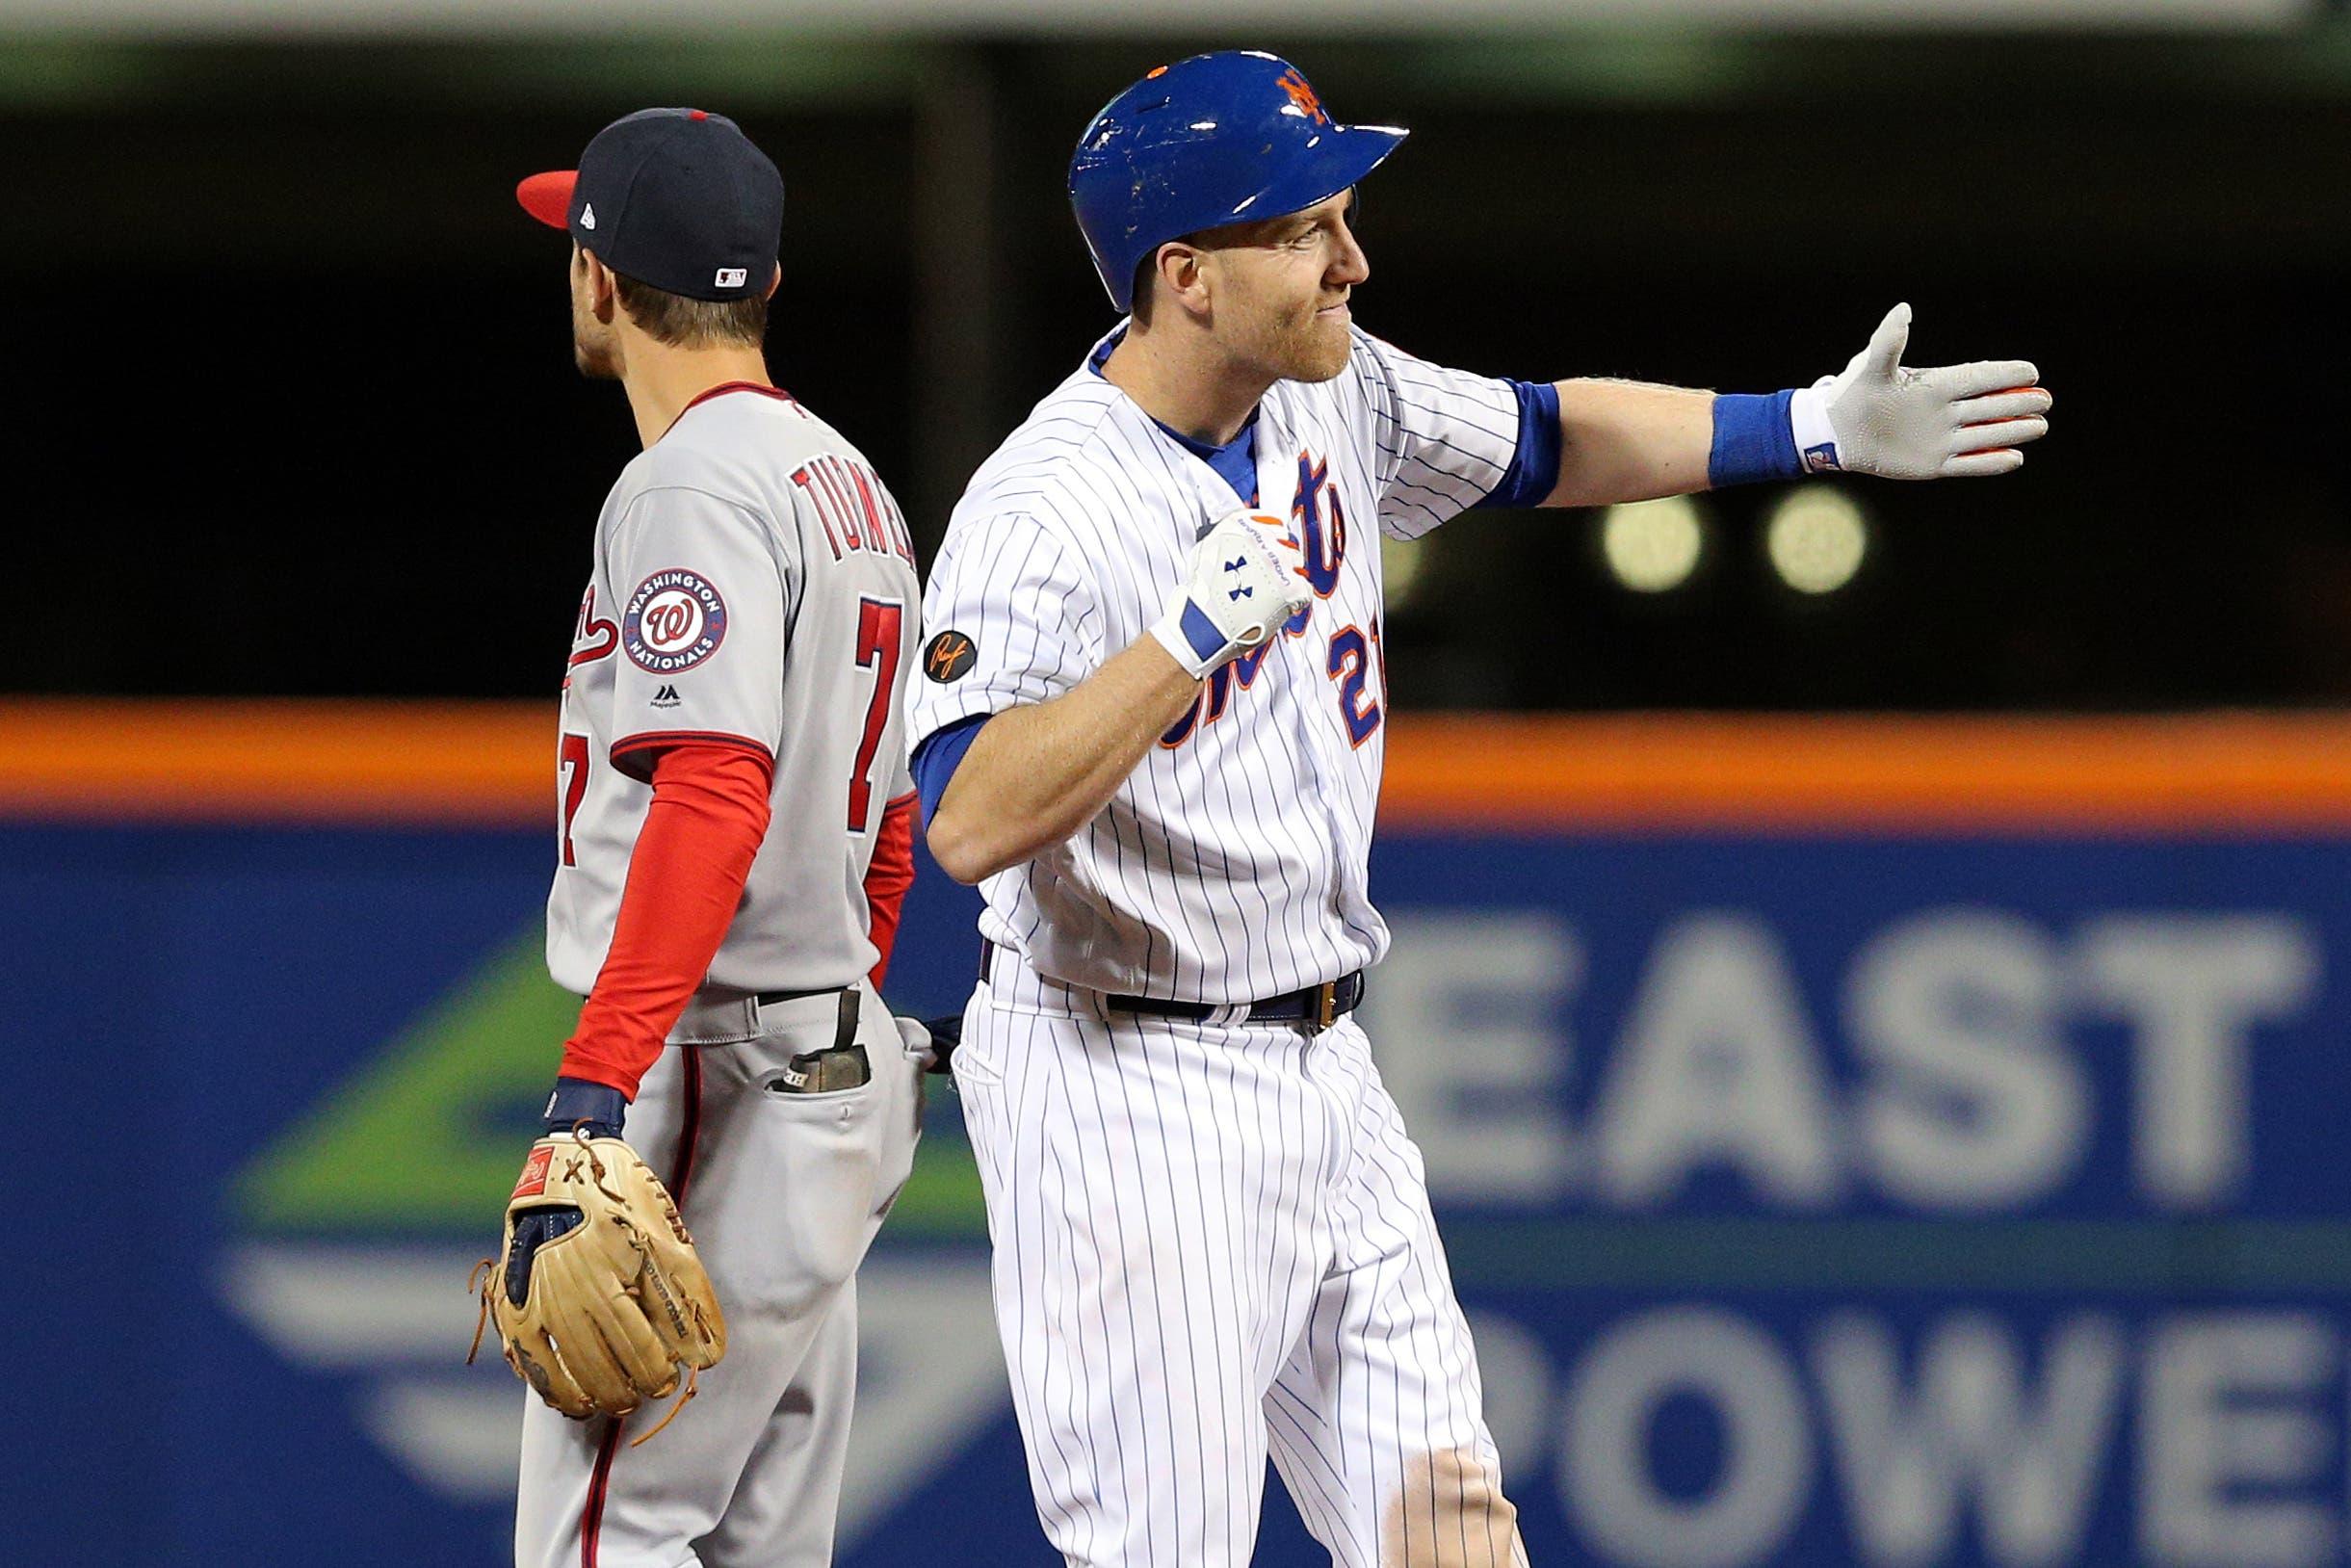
1212, 1244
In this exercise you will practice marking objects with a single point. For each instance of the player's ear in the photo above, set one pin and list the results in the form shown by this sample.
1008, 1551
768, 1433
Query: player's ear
603, 298
1182, 276
777, 282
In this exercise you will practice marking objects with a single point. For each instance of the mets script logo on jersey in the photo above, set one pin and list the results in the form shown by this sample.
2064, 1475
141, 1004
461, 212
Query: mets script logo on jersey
1320, 523
675, 620
1318, 520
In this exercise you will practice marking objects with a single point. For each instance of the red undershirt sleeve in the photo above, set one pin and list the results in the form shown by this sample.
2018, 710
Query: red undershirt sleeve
887, 876
701, 833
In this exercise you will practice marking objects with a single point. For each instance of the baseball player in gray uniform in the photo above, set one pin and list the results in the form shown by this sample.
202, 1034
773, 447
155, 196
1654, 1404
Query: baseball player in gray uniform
735, 822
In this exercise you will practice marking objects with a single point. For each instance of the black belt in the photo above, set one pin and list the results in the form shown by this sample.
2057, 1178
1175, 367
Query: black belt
1316, 1007
845, 1022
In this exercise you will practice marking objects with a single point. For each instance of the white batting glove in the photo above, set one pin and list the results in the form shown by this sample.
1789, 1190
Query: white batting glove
1952, 422
1243, 584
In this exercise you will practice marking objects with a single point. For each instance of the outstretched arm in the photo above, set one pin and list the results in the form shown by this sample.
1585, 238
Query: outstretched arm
1630, 441
1627, 441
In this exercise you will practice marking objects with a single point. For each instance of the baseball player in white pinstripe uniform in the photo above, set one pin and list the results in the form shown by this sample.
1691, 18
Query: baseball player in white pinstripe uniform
1151, 726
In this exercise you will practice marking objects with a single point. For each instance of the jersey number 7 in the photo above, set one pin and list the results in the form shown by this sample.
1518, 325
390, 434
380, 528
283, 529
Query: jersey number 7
573, 762
880, 621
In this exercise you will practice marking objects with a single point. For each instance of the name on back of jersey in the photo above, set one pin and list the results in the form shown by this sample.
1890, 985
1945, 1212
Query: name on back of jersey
853, 508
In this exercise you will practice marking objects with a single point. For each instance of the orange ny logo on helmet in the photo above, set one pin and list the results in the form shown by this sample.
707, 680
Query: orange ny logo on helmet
1302, 94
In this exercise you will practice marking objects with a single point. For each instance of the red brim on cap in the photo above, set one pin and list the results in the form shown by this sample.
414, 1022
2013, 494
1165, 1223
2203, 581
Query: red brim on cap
547, 196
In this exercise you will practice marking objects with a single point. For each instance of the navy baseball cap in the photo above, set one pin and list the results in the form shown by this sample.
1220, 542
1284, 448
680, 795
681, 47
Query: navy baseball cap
675, 198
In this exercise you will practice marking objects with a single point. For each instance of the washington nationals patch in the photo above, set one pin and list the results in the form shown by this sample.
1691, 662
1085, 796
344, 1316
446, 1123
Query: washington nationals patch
674, 620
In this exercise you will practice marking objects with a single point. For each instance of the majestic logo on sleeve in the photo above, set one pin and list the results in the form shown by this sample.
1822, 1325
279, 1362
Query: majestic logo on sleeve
949, 657
674, 620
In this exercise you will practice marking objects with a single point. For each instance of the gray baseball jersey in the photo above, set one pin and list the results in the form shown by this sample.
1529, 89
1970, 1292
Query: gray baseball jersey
753, 583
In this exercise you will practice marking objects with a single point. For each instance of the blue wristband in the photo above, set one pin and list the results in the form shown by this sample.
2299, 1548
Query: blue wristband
1753, 439
1201, 633
576, 1100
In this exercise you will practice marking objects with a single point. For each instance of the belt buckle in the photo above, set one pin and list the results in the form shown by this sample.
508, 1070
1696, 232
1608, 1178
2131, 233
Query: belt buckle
1325, 1008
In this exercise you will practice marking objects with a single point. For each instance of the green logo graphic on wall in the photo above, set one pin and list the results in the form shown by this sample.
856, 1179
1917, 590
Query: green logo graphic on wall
356, 1228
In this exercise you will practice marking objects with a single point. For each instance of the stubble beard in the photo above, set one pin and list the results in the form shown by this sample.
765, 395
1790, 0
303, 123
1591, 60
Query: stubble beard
1314, 349
594, 361
591, 350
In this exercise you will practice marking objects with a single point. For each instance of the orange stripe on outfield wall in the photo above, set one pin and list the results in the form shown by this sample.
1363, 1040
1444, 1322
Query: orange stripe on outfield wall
494, 764
2200, 772
486, 763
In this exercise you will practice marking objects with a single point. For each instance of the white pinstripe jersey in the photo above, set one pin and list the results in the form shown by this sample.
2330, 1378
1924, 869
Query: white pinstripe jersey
1232, 864
753, 583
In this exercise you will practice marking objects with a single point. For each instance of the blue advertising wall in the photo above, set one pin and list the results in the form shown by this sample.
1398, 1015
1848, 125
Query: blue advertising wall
1816, 1199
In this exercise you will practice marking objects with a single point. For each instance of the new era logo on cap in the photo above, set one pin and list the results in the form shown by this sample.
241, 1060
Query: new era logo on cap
588, 216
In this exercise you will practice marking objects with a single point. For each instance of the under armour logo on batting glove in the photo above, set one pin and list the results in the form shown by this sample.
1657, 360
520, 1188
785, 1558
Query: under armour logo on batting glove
1217, 618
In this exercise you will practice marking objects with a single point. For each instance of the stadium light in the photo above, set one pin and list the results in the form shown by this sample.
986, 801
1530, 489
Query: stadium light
1401, 568
1653, 545
1817, 537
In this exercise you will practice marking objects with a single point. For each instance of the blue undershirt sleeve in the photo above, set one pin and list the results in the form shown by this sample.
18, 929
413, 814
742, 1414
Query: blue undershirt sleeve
1534, 468
938, 756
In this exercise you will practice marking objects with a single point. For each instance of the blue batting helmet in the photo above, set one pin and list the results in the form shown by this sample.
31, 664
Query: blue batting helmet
1225, 138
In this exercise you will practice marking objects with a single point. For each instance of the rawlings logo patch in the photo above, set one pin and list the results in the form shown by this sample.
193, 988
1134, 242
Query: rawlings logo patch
533, 1180
674, 620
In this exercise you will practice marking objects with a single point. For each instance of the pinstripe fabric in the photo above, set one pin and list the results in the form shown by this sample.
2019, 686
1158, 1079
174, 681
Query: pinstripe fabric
1444, 437
1231, 866
1213, 1247
1212, 1244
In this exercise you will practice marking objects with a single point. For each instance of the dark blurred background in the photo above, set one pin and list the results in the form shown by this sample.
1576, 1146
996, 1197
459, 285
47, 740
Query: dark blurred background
291, 409
1858, 1144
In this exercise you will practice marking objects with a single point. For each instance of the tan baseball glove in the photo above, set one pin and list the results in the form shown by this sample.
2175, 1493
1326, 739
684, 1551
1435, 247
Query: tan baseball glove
598, 1296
